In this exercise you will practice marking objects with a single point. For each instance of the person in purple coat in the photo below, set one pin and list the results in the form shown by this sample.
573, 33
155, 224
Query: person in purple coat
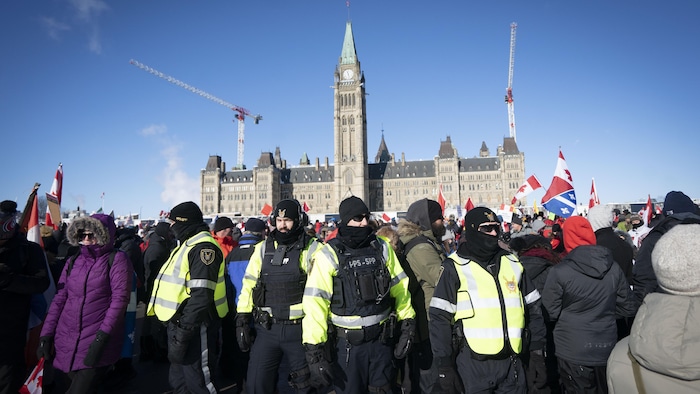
84, 329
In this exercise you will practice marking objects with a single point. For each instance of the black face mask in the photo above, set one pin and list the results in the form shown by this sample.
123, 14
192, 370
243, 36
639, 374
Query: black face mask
355, 237
289, 237
479, 246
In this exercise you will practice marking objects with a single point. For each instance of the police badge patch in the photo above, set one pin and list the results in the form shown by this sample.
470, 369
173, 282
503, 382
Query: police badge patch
207, 256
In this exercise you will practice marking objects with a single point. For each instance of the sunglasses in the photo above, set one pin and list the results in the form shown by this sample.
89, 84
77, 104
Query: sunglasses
83, 234
360, 218
487, 228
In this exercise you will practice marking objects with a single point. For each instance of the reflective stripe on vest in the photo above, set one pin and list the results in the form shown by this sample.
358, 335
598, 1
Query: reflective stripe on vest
172, 286
479, 306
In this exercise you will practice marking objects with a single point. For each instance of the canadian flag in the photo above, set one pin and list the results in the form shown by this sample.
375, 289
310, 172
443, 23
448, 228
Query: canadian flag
386, 217
53, 198
441, 199
305, 207
531, 184
594, 195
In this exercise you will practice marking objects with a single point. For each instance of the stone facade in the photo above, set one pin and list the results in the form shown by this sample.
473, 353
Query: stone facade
387, 185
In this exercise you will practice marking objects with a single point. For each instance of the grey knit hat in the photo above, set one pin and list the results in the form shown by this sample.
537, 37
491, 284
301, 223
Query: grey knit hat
676, 260
600, 216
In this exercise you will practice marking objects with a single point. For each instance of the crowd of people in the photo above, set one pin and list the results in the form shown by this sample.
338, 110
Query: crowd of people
606, 302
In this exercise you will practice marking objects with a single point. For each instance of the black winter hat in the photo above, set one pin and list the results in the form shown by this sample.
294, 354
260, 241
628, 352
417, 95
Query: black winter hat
223, 223
289, 209
255, 225
186, 213
434, 211
678, 202
162, 229
352, 207
516, 220
477, 216
8, 225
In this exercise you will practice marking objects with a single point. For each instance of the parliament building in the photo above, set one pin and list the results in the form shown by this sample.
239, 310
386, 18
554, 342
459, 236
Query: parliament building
386, 184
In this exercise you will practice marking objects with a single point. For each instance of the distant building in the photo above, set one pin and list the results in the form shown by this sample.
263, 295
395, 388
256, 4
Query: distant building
385, 185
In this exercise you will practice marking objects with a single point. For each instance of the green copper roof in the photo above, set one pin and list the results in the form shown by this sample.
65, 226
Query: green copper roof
349, 55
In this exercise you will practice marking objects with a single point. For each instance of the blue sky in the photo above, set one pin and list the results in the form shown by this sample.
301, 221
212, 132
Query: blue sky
613, 83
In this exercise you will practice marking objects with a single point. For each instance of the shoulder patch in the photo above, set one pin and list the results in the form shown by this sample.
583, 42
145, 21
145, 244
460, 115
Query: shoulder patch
442, 269
207, 255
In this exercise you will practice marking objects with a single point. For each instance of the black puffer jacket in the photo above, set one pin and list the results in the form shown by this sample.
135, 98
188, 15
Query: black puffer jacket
584, 294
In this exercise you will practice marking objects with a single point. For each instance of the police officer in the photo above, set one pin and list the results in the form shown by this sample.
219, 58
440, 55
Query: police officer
484, 290
189, 293
271, 296
359, 286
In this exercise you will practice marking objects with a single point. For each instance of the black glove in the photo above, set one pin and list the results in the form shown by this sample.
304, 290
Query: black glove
319, 366
243, 331
408, 333
178, 342
45, 348
448, 379
97, 347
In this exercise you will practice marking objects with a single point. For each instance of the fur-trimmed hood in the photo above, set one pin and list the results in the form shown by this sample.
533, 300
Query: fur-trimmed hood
101, 225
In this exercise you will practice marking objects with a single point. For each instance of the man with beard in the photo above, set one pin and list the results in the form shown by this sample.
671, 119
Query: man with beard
271, 296
189, 294
420, 233
484, 290
359, 286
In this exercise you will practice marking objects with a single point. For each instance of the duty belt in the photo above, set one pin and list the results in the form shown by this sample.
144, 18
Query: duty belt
360, 335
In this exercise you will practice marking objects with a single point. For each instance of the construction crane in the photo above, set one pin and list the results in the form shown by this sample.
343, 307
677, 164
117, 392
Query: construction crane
509, 89
241, 112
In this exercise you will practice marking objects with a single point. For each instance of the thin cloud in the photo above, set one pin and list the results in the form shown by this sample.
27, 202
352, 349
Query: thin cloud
53, 27
85, 14
89, 10
155, 129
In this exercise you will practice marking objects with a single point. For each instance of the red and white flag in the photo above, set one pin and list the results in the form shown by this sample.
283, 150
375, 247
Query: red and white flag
386, 217
648, 211
305, 207
469, 205
441, 199
33, 227
594, 195
530, 185
53, 198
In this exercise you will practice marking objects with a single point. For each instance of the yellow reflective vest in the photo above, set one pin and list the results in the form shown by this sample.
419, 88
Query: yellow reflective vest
173, 284
482, 300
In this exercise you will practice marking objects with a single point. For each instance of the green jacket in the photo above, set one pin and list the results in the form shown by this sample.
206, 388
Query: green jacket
425, 260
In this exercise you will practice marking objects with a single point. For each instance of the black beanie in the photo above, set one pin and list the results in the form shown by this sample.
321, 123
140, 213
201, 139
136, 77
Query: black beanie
434, 211
289, 209
678, 202
186, 213
223, 223
8, 225
162, 229
352, 207
477, 216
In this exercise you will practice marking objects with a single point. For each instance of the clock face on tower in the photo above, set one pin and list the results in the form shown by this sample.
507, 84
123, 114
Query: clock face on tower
348, 74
